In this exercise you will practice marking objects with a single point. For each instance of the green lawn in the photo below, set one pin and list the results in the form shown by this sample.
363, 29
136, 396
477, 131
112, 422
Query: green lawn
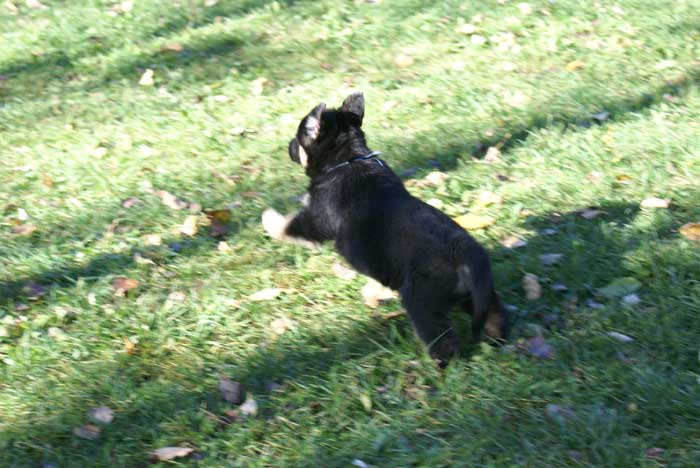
591, 104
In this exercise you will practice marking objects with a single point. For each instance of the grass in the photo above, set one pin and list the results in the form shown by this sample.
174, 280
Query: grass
347, 382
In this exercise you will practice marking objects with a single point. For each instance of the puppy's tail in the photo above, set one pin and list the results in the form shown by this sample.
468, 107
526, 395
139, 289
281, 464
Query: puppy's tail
475, 278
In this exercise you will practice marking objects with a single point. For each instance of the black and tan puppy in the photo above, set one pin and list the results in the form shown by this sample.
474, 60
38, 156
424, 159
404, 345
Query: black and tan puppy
358, 202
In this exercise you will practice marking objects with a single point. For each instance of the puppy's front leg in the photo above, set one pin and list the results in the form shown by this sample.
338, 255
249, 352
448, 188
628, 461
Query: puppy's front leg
298, 229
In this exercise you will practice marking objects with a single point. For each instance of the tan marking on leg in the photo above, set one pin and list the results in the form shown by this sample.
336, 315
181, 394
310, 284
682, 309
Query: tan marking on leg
275, 225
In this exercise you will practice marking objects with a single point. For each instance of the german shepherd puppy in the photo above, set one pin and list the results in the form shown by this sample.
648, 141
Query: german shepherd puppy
358, 202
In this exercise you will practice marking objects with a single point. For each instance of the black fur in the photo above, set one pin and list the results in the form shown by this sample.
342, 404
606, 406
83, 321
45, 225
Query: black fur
387, 234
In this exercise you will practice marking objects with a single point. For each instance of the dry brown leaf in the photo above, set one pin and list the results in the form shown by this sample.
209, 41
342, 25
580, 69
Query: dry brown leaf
147, 78
170, 200
170, 453
343, 272
472, 222
623, 179
374, 292
403, 60
531, 285
265, 294
189, 227
122, 285
88, 431
655, 452
574, 65
173, 47
102, 414
219, 221
129, 346
654, 202
230, 390
690, 231
46, 180
23, 229
513, 242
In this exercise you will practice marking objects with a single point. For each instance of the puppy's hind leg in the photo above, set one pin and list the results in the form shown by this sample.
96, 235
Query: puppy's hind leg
428, 311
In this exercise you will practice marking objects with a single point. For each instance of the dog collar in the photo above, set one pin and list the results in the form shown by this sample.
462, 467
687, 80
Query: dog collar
371, 156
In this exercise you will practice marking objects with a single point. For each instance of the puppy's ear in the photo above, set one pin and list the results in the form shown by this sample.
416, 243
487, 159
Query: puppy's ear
355, 104
311, 126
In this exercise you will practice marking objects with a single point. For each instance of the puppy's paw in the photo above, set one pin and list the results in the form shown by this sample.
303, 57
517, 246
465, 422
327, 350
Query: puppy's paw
274, 223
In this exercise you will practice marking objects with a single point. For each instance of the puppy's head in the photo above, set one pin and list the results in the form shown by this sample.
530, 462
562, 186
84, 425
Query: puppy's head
324, 132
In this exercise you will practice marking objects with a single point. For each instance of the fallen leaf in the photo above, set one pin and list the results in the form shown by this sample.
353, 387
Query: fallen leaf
435, 178
620, 337
558, 287
343, 272
551, 258
250, 406
257, 86
472, 222
219, 222
403, 60
487, 198
22, 214
655, 452
593, 304
690, 231
525, 8
590, 212
366, 401
492, 155
574, 65
531, 286
466, 28
223, 247
516, 98
129, 202
23, 229
654, 202
282, 324
36, 4
170, 200
476, 39
173, 47
620, 287
147, 78
600, 117
101, 414
129, 346
170, 453
14, 10
56, 333
436, 202
513, 242
595, 176
177, 296
359, 463
230, 390
122, 286
265, 294
631, 299
189, 227
537, 346
374, 292
623, 179
88, 431
549, 231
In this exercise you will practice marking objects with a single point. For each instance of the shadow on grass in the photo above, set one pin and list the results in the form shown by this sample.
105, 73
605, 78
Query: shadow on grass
156, 390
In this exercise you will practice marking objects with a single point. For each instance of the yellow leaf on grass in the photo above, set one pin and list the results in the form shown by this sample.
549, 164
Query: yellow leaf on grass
470, 221
690, 231
189, 227
574, 65
147, 78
